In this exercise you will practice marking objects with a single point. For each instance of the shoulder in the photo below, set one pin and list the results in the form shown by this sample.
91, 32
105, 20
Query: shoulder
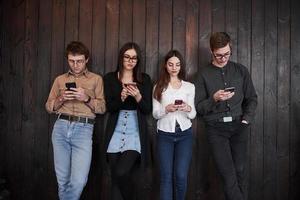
146, 79
61, 77
109, 76
188, 85
240, 67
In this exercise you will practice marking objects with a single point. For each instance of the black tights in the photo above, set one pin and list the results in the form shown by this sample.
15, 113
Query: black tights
121, 165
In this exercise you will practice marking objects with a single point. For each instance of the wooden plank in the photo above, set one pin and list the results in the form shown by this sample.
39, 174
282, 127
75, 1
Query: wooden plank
295, 103
179, 26
41, 82
191, 59
4, 56
28, 96
16, 13
98, 37
270, 100
231, 25
283, 98
205, 23
125, 34
165, 28
86, 22
57, 63
218, 15
112, 30
72, 21
139, 26
71, 24
152, 38
257, 60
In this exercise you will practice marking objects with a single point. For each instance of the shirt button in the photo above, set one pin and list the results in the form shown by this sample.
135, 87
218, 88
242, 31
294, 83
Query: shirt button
225, 83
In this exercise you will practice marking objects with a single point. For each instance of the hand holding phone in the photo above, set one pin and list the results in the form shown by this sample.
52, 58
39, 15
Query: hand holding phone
70, 85
178, 102
229, 89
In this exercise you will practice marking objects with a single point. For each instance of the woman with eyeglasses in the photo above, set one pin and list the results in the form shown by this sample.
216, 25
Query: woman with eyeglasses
128, 94
173, 107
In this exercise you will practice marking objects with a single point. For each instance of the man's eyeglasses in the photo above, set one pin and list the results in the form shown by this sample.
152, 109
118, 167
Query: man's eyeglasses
127, 58
78, 62
221, 56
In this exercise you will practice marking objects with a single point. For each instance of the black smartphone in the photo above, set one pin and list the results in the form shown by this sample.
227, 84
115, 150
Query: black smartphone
229, 89
70, 85
132, 84
178, 102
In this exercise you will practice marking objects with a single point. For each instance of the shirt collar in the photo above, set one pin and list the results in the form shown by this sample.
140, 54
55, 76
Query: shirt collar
85, 73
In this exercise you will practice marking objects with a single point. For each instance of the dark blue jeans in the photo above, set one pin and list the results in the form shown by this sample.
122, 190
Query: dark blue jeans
175, 153
228, 142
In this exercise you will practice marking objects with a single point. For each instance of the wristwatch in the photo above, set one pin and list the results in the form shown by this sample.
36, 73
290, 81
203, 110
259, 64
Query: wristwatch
88, 101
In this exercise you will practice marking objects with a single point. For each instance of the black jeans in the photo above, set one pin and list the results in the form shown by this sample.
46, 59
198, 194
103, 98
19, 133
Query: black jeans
228, 141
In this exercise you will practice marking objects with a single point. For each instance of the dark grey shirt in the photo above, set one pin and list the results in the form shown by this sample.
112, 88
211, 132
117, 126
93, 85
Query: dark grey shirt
211, 79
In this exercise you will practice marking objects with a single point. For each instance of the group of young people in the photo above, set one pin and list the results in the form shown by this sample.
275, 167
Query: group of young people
222, 93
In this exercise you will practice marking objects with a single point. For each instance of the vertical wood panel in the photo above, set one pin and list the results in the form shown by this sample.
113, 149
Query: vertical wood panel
152, 19
72, 19
28, 93
218, 15
112, 33
295, 103
139, 26
126, 14
231, 24
283, 114
256, 137
165, 28
17, 32
86, 22
205, 23
270, 100
179, 26
41, 85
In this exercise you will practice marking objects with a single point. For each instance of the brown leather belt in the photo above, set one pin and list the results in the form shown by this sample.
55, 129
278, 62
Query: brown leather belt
72, 118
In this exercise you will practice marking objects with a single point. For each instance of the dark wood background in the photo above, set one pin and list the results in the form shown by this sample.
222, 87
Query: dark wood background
34, 33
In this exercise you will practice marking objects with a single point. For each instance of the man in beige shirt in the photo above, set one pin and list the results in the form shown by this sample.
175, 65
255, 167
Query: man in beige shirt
76, 97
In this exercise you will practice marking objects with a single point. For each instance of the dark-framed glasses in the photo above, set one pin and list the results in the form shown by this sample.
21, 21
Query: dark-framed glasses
78, 62
221, 56
127, 58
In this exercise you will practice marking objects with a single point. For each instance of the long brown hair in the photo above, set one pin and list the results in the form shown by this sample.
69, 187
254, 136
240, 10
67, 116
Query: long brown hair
137, 76
164, 76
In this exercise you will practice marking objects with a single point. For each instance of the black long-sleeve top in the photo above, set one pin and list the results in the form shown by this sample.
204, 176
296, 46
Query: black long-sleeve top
211, 79
112, 91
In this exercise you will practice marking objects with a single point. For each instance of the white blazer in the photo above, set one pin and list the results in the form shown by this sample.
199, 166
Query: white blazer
166, 121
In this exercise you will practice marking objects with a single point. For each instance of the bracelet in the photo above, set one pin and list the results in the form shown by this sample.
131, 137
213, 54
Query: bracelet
88, 101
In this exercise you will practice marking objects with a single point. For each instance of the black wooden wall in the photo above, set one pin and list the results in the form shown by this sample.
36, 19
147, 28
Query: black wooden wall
34, 33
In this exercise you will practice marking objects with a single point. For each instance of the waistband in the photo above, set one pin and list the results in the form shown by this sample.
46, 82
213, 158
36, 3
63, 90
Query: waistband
72, 118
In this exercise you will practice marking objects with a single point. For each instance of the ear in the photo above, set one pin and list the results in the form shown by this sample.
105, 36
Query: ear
87, 60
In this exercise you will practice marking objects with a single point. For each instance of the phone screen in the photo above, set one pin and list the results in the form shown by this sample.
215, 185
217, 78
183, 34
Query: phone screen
70, 85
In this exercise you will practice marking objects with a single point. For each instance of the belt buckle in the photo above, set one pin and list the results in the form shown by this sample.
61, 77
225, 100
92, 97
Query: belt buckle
73, 118
227, 119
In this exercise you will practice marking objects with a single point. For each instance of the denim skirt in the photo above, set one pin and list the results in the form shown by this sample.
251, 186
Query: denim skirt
126, 135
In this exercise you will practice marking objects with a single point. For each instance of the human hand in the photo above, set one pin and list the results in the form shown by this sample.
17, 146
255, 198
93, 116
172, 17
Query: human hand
221, 95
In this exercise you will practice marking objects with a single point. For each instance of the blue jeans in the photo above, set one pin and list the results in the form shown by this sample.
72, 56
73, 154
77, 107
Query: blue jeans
175, 153
72, 146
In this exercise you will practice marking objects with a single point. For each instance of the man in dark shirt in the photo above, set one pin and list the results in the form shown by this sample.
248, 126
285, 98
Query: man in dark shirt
226, 99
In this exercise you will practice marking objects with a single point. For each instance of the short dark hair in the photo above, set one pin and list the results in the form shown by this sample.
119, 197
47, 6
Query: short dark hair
219, 40
77, 48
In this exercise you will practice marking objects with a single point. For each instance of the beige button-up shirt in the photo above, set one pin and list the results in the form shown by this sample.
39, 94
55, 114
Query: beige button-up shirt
93, 86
